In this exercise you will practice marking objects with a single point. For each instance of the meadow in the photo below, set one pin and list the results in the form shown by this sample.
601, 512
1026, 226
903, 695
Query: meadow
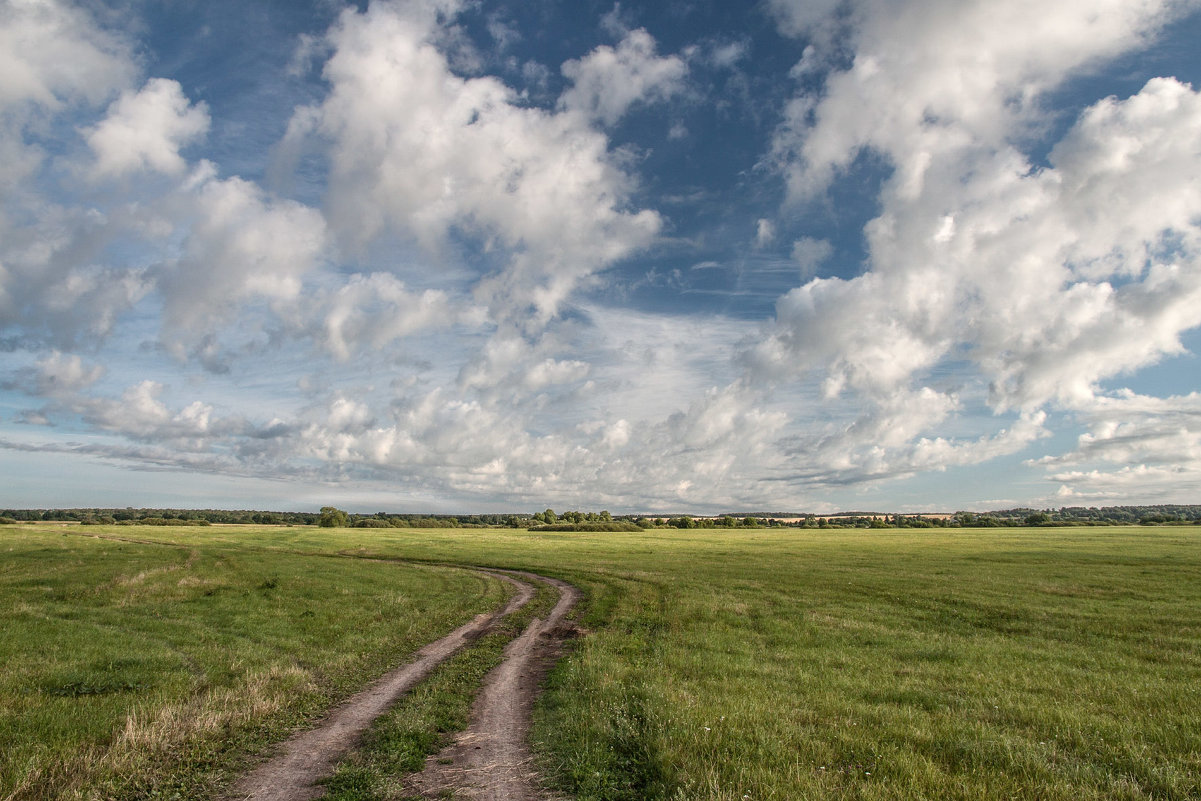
748, 664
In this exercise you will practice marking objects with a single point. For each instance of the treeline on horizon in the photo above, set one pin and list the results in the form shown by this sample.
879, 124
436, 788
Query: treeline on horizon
549, 520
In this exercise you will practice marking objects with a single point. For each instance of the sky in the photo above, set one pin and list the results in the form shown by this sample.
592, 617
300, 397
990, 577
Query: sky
671, 256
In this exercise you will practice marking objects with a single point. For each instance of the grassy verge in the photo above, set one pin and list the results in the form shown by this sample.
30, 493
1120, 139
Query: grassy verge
135, 670
427, 717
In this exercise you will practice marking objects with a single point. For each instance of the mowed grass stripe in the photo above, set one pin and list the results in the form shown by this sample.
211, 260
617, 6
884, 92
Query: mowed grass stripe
133, 670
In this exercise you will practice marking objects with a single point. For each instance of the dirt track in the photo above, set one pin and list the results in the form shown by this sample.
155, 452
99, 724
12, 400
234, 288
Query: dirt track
490, 760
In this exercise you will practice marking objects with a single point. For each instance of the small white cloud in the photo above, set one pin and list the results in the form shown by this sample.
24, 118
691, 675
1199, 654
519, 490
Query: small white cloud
810, 254
372, 311
728, 54
242, 245
61, 373
145, 130
609, 81
765, 233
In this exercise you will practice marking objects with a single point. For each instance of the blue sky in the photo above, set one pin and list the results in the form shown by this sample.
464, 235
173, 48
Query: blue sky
442, 255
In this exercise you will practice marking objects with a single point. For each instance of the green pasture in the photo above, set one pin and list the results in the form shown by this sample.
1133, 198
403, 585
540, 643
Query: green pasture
748, 664
134, 670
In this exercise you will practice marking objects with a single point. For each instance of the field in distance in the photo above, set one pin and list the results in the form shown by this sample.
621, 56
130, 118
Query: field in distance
750, 664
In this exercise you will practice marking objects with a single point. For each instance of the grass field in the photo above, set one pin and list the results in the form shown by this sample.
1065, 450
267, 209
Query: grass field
135, 670
758, 664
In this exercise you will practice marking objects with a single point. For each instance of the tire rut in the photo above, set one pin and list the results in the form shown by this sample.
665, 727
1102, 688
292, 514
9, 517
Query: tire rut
310, 756
492, 760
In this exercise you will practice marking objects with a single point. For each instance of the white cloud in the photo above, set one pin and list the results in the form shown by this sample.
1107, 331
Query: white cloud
419, 151
810, 254
609, 81
52, 52
242, 246
53, 288
975, 253
800, 17
1040, 282
373, 310
60, 373
1136, 448
765, 233
146, 129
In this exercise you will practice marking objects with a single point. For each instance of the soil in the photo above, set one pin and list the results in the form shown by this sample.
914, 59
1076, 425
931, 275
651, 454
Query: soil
491, 760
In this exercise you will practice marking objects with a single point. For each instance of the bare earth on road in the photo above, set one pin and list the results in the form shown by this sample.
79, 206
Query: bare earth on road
492, 760
310, 756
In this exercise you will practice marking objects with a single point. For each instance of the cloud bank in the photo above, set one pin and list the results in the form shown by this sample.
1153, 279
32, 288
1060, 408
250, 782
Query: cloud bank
439, 309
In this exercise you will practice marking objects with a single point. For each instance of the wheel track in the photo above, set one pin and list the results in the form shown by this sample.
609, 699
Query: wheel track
498, 763
491, 760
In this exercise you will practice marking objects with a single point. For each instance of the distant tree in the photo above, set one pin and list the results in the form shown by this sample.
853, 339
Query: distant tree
727, 522
750, 522
333, 518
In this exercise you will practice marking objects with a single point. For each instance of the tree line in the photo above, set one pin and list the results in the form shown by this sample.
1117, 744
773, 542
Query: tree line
548, 519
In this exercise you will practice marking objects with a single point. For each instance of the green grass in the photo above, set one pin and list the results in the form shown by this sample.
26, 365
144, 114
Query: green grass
770, 664
1033, 663
135, 670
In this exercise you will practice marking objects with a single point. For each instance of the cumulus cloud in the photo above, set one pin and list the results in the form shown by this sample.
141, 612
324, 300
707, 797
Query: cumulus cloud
609, 81
53, 287
1049, 279
1046, 279
242, 245
1136, 447
52, 52
370, 311
419, 151
54, 58
919, 86
146, 129
60, 373
433, 303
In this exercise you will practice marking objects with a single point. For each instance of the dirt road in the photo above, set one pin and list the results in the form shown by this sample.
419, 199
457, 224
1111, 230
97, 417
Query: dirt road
498, 764
491, 760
